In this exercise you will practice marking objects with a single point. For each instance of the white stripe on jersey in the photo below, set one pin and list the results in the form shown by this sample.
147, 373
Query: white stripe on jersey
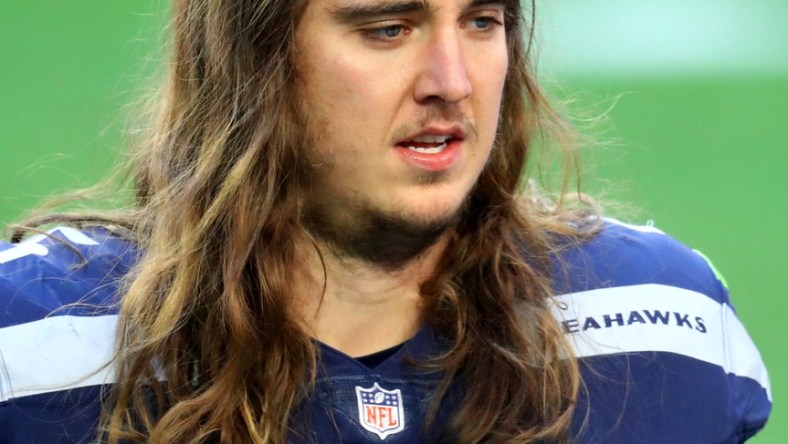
32, 246
650, 228
56, 353
62, 352
662, 318
744, 358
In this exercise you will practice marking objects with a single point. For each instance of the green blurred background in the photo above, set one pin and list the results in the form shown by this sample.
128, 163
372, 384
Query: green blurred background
693, 98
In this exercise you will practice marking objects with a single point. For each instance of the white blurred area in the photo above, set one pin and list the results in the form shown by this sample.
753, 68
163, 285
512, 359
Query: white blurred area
663, 37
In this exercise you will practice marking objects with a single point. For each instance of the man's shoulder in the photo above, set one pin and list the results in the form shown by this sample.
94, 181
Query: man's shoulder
64, 271
629, 277
57, 330
626, 255
652, 322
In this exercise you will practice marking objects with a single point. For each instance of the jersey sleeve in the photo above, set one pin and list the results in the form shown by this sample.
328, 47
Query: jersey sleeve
751, 396
663, 355
57, 323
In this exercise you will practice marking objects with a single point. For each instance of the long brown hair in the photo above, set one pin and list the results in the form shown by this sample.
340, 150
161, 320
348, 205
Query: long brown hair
218, 189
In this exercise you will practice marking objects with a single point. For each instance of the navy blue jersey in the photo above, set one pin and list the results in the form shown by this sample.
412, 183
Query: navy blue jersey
663, 356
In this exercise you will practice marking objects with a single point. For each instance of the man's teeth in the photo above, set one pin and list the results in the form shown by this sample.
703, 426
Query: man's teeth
443, 141
430, 150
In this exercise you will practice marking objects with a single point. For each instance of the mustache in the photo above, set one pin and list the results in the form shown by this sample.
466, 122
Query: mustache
438, 117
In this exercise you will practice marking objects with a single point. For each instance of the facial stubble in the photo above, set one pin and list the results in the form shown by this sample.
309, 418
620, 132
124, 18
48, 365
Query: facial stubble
385, 238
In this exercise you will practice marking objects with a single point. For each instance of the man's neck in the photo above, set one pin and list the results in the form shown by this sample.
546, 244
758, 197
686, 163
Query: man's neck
364, 308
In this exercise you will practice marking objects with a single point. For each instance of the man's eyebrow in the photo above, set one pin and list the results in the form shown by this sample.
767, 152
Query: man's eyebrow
477, 3
358, 12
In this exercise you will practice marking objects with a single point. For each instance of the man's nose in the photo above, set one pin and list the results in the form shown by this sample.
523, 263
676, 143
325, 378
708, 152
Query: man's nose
444, 71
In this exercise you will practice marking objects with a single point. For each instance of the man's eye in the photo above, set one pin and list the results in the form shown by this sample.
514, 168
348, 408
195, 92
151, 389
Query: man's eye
386, 32
484, 23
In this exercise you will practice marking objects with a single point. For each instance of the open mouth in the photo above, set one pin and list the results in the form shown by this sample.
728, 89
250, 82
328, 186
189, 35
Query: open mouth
427, 144
433, 149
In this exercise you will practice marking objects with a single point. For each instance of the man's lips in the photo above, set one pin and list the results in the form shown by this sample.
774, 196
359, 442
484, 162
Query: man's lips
433, 148
431, 156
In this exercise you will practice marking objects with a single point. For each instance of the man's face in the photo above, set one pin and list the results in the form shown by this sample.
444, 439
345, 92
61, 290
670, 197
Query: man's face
401, 101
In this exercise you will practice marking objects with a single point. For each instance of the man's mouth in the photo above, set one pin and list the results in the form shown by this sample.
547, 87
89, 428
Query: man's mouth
427, 144
433, 148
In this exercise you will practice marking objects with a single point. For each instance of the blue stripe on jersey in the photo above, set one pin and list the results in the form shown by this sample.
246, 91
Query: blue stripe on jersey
621, 256
655, 398
44, 277
53, 418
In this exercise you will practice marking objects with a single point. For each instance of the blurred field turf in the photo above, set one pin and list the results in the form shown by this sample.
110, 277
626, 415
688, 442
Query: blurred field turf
703, 157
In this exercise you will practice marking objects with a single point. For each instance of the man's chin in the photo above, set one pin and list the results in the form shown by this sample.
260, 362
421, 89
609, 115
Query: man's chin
385, 239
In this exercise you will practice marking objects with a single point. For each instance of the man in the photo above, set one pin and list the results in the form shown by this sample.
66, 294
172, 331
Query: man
329, 243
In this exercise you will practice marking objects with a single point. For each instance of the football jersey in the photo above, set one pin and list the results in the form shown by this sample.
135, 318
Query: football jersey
664, 359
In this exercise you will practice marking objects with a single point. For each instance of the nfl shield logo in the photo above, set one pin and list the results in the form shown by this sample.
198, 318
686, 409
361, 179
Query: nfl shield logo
380, 411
